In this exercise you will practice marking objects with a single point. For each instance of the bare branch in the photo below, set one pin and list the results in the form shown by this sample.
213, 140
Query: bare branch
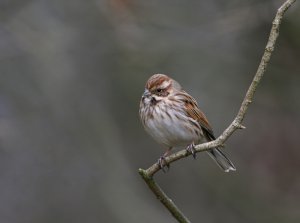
236, 124
163, 198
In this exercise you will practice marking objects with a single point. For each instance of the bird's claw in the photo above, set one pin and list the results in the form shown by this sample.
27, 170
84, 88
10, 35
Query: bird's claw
191, 149
163, 163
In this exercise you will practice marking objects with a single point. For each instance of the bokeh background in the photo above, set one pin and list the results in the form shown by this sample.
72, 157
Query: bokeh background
71, 77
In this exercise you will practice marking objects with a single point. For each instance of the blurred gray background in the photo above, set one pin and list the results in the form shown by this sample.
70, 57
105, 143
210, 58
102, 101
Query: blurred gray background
71, 77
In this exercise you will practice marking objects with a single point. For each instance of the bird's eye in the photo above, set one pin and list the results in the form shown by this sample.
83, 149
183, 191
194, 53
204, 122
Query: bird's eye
158, 90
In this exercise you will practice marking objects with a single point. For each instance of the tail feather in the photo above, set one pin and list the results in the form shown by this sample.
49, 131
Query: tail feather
220, 158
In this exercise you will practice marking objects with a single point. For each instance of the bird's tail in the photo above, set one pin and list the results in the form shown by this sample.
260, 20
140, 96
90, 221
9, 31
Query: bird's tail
220, 158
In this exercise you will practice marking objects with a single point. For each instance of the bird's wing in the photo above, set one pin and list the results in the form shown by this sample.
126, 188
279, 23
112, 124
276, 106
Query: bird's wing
194, 112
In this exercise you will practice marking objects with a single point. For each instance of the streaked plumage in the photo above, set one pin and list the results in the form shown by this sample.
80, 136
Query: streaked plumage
172, 117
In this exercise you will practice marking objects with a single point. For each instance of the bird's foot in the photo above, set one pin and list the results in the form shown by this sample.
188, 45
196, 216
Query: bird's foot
163, 164
191, 149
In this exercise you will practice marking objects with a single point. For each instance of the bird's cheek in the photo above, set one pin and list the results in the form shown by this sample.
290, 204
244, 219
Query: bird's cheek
153, 101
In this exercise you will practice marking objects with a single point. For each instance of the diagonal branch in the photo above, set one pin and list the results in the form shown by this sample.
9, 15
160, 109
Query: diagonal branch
236, 124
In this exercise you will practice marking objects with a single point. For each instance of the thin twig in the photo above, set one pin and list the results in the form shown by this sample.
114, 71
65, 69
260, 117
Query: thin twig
236, 124
163, 198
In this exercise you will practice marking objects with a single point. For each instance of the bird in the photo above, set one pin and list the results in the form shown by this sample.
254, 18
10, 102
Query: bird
172, 117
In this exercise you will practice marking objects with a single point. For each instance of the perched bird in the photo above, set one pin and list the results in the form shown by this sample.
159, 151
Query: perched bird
172, 117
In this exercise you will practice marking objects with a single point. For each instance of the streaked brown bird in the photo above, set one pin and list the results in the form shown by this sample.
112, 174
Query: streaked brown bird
172, 117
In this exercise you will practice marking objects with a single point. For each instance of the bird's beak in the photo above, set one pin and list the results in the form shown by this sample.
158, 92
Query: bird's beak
146, 93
